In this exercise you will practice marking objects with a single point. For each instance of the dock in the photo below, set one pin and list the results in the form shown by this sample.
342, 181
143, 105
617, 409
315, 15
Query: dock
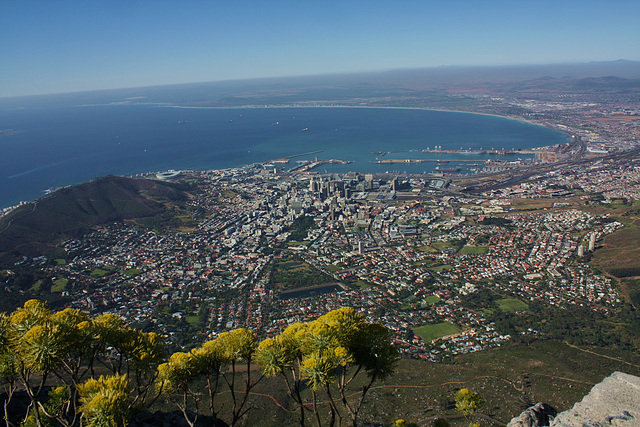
287, 159
391, 161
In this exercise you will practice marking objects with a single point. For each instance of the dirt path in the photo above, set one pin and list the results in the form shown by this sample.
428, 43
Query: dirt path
602, 355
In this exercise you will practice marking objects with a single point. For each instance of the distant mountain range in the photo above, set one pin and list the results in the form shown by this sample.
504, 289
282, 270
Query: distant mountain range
599, 76
569, 84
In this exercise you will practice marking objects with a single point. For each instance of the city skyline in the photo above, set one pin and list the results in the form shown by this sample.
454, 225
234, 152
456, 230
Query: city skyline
75, 46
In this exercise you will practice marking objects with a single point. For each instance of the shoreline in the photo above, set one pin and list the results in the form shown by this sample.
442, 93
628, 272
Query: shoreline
271, 106
274, 107
444, 110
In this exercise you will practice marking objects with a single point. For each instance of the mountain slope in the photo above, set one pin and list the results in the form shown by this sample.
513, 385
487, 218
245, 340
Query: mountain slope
33, 229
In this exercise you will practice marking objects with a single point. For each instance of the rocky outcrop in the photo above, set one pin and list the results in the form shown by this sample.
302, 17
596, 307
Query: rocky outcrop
613, 402
538, 415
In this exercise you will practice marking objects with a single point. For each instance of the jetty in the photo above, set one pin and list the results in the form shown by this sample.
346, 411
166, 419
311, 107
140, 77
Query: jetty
287, 159
391, 161
312, 165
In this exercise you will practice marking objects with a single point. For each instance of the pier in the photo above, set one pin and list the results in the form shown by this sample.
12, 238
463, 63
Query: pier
287, 159
391, 161
312, 165
499, 151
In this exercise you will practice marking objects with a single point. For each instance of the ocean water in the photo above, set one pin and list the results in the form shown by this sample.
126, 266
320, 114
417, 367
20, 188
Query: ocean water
52, 147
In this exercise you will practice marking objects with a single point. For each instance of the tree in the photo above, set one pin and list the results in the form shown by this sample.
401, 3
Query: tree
238, 347
105, 401
38, 347
282, 356
327, 355
176, 376
8, 371
323, 358
467, 401
230, 350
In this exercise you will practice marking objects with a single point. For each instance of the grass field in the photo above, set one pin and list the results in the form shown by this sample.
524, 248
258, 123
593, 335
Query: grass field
298, 243
474, 250
192, 320
295, 265
132, 272
229, 193
435, 247
435, 331
618, 119
530, 204
60, 261
293, 273
511, 305
59, 285
362, 284
432, 299
538, 204
99, 272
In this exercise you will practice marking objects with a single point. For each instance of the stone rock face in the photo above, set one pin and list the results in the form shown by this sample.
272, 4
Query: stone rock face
613, 402
538, 415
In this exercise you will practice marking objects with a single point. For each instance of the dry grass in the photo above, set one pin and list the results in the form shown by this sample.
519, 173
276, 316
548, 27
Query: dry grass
508, 378
618, 119
619, 253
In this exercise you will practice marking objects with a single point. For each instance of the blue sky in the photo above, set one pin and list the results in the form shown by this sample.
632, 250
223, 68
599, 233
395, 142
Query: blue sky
66, 46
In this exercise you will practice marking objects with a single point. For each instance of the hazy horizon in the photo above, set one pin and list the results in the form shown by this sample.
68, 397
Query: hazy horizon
449, 73
74, 46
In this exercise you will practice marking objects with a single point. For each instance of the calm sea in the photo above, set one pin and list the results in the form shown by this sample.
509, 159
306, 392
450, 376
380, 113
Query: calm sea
53, 147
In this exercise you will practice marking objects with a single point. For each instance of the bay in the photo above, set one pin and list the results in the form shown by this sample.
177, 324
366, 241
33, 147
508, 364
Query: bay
58, 146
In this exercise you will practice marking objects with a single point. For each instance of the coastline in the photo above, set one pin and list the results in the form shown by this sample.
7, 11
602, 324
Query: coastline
12, 202
444, 110
283, 106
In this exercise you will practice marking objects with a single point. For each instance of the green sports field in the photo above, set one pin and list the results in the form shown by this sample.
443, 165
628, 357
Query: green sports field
511, 305
435, 331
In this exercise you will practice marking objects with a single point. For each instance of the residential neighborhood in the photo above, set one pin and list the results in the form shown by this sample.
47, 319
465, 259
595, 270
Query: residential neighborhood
263, 250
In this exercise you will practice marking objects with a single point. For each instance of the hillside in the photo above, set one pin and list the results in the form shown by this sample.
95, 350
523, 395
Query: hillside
33, 229
509, 378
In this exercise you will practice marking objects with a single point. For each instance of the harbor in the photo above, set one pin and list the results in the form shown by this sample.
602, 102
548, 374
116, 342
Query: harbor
306, 166
287, 159
392, 161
